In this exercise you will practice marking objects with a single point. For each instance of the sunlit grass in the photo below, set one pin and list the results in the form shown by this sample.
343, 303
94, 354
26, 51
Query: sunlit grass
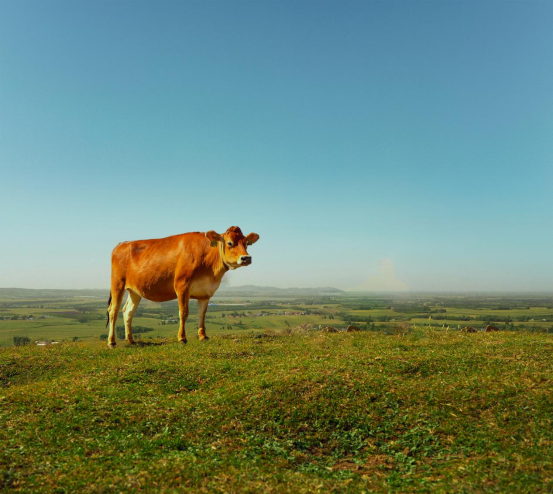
429, 410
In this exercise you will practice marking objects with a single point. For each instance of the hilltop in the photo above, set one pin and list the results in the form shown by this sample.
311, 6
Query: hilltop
428, 410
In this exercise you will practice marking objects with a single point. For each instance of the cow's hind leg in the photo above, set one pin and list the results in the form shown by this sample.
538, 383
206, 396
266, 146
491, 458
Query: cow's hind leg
183, 297
128, 313
117, 293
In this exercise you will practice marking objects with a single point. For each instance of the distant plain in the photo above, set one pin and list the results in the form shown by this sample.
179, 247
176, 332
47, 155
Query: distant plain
67, 315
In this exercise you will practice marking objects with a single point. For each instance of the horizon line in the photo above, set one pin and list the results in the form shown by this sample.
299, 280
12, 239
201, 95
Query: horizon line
345, 291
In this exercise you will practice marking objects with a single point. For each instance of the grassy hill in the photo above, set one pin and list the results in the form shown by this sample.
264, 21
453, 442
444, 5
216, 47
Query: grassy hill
347, 412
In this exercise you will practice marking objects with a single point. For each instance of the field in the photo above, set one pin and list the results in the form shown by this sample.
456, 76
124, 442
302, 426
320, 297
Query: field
72, 315
261, 407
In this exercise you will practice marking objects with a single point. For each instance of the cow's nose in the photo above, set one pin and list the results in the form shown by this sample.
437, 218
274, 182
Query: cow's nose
245, 259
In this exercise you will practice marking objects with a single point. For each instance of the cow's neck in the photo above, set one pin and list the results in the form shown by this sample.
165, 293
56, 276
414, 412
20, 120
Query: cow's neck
221, 266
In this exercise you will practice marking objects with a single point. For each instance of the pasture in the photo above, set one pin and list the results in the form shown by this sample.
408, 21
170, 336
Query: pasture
268, 412
67, 315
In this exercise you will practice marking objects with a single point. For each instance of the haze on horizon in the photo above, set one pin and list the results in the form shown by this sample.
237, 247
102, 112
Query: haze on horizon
370, 144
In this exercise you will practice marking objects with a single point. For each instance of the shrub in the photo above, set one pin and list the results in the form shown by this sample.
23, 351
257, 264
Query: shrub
120, 331
21, 340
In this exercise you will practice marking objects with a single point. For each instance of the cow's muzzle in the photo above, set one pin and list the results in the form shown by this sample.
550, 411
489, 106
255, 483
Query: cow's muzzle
245, 260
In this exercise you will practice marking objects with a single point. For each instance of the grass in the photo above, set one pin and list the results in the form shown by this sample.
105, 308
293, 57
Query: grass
347, 412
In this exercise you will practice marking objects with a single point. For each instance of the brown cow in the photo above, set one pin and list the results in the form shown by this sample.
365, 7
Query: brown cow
181, 267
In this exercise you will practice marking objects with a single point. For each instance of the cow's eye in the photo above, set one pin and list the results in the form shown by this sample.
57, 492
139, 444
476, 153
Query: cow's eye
229, 244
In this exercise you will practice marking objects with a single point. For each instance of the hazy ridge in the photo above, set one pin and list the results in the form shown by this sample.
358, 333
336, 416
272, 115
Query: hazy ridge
243, 291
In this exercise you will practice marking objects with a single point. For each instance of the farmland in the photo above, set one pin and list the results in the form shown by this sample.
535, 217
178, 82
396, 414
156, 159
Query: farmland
80, 315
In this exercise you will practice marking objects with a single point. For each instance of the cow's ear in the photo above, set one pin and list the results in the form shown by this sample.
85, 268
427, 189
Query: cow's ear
252, 238
213, 237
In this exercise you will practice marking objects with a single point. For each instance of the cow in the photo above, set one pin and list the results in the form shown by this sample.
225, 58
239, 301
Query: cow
190, 265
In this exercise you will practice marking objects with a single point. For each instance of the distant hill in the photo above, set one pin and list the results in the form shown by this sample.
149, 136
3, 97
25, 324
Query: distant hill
27, 293
227, 291
271, 291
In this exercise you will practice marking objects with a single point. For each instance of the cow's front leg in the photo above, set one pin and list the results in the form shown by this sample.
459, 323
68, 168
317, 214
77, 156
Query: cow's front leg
202, 309
183, 297
116, 295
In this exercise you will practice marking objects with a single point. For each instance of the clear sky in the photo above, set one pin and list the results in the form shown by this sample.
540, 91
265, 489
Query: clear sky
350, 135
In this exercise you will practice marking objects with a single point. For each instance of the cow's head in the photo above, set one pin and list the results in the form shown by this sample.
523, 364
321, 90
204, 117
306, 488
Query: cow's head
233, 246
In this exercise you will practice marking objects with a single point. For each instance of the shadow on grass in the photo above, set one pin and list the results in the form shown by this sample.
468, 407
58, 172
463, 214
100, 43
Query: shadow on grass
141, 343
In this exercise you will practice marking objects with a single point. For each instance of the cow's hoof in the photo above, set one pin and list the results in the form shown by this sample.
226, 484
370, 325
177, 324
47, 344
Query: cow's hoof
183, 342
131, 342
205, 338
112, 345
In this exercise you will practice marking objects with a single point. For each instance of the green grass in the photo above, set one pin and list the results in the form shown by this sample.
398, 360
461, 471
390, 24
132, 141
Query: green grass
348, 412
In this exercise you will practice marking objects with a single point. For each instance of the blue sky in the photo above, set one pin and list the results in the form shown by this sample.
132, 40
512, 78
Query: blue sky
343, 133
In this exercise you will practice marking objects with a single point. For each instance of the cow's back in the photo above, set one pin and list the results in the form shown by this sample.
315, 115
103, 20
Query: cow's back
149, 267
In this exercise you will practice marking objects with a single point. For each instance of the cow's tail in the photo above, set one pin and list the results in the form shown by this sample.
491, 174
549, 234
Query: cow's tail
107, 312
